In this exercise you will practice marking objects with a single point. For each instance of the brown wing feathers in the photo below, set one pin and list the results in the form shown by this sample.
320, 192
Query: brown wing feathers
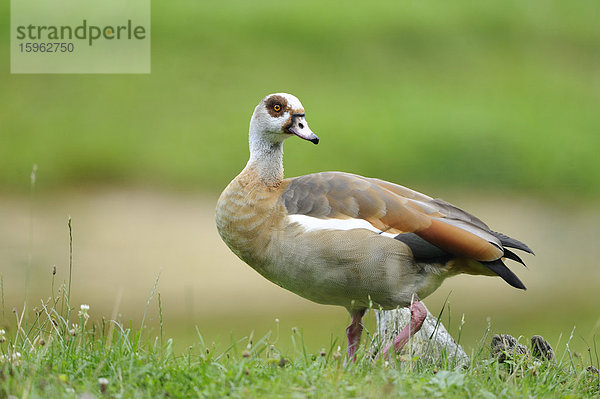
460, 242
396, 209
469, 236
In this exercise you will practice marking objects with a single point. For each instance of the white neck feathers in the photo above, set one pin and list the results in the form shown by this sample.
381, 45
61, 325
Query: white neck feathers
266, 157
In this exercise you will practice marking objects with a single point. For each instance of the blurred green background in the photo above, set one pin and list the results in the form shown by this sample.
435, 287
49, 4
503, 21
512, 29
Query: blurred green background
492, 105
474, 93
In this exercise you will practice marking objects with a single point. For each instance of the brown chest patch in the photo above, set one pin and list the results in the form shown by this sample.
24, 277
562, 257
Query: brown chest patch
249, 217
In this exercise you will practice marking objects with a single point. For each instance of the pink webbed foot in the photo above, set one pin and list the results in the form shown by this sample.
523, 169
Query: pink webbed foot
353, 333
418, 313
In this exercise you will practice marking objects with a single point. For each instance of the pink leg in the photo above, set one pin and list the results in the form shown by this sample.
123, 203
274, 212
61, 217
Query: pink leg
418, 313
353, 332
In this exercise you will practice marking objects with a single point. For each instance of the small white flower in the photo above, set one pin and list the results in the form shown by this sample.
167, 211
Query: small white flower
15, 358
103, 382
73, 331
83, 312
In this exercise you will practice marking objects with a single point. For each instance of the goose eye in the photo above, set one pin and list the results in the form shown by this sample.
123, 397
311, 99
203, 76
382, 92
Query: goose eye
277, 107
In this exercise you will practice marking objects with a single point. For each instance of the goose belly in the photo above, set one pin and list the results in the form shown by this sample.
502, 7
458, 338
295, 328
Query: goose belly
350, 268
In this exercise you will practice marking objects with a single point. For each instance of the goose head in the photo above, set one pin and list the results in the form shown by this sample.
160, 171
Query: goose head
277, 117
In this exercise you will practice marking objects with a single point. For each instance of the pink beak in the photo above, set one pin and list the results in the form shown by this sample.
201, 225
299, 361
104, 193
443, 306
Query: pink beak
300, 128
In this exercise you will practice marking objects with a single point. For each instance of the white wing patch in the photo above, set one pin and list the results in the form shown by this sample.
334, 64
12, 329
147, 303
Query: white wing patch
311, 224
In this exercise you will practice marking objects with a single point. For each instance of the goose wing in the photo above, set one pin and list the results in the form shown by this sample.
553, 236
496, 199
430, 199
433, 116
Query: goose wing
427, 225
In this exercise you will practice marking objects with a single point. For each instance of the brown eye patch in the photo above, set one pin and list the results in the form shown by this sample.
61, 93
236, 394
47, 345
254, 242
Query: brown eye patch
276, 106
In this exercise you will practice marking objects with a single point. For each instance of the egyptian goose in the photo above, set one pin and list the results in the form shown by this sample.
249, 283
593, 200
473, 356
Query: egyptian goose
342, 239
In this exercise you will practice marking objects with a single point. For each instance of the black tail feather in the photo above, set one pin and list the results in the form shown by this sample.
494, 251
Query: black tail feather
511, 242
511, 255
498, 267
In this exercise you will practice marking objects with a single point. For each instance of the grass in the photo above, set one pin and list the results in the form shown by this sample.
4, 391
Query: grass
50, 352
483, 94
58, 350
